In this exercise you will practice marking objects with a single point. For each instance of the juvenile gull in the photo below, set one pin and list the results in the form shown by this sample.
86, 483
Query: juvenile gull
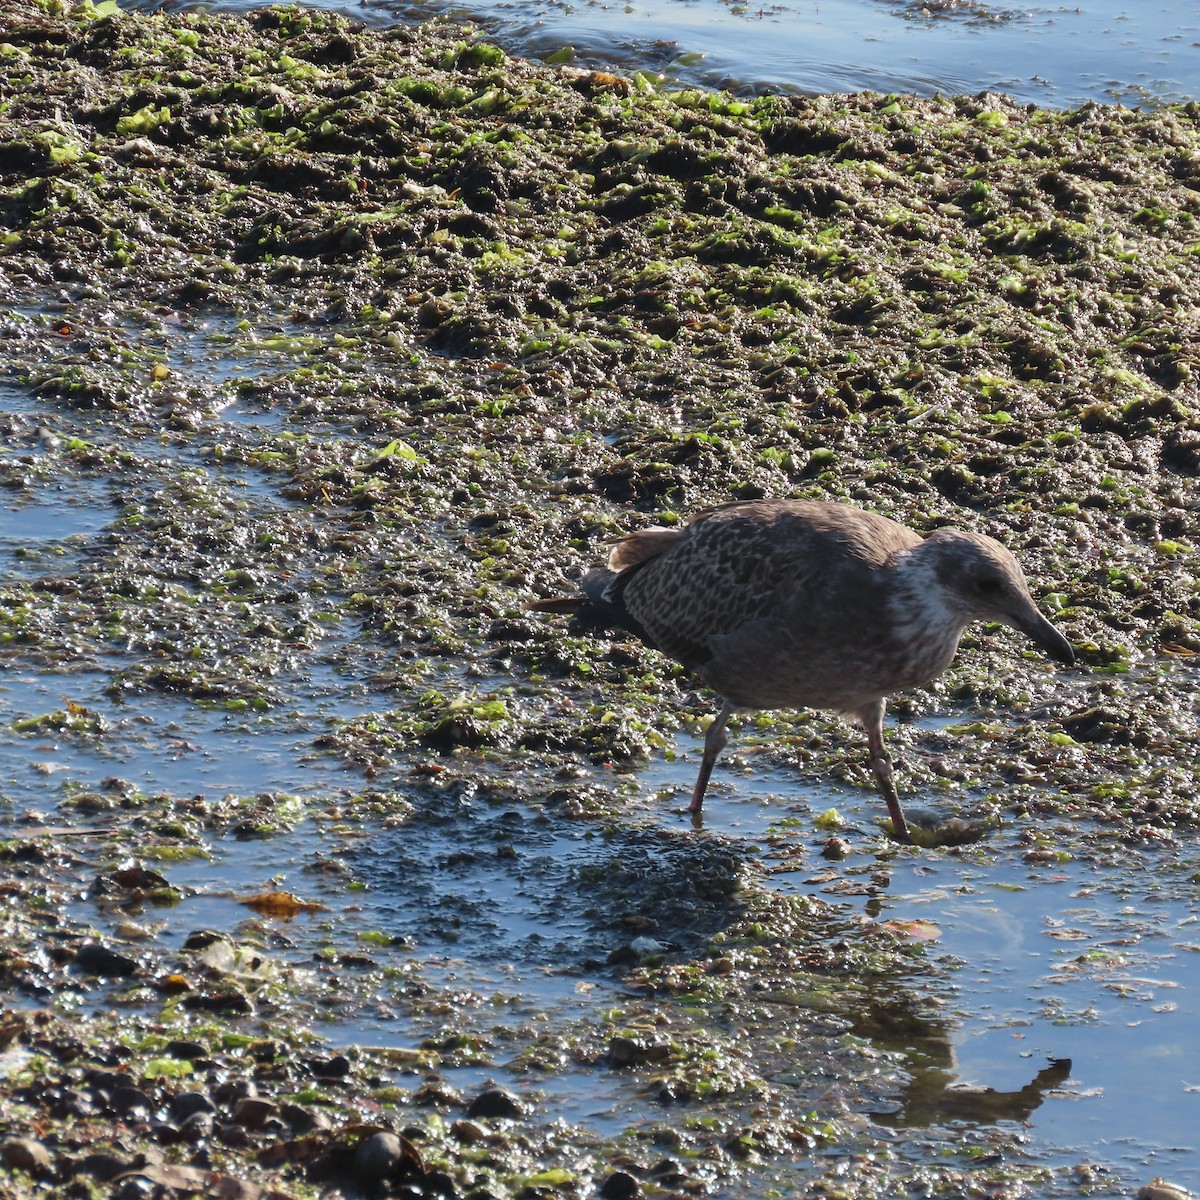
804, 604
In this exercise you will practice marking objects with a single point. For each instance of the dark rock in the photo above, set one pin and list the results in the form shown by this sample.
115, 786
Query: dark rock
437, 1093
136, 1187
187, 1051
188, 1104
230, 1091
337, 1067
25, 1154
835, 849
62, 1103
438, 1183
197, 1128
94, 959
1104, 726
667, 1171
201, 939
624, 1052
201, 1158
620, 1185
130, 1102
468, 1132
495, 1102
303, 1120
101, 1166
227, 1003
233, 1136
252, 1113
164, 1133
376, 1159
107, 1081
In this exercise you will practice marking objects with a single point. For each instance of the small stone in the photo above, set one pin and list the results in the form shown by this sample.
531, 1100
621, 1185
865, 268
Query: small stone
199, 939
187, 1051
624, 1052
437, 1093
196, 1129
136, 1187
130, 1102
468, 1132
228, 1003
230, 1091
188, 1104
94, 959
25, 1154
102, 1166
1162, 1189
164, 1133
233, 1135
337, 1067
304, 1120
376, 1159
495, 1102
835, 849
620, 1185
252, 1113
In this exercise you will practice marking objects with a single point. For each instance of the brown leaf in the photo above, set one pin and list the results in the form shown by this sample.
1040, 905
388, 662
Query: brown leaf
281, 904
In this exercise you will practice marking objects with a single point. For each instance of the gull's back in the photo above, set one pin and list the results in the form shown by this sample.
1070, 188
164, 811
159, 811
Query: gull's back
780, 603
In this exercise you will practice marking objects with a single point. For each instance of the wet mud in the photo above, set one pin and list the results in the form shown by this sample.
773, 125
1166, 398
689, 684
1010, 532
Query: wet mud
329, 866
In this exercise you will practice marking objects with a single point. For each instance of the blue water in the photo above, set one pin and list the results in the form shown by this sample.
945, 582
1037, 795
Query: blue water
1045, 54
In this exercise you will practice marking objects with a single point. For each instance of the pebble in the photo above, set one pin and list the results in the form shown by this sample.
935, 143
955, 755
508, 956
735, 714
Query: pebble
1162, 1189
495, 1102
468, 1132
337, 1067
188, 1104
624, 1051
102, 1166
835, 849
185, 1050
303, 1120
130, 1102
94, 959
620, 1185
197, 1128
377, 1158
252, 1113
25, 1154
233, 1135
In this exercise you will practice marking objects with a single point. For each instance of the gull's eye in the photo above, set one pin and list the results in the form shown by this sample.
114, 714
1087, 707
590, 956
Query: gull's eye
989, 586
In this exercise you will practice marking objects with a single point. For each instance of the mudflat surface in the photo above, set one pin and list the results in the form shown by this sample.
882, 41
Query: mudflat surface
325, 349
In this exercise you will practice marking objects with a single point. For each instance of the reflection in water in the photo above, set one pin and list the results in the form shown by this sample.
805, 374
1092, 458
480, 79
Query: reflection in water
934, 1092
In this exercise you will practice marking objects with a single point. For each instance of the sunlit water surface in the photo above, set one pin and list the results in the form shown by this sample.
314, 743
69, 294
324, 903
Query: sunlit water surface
1046, 54
1097, 962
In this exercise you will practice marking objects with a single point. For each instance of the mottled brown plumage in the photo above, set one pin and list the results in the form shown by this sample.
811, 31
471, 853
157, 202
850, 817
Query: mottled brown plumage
802, 604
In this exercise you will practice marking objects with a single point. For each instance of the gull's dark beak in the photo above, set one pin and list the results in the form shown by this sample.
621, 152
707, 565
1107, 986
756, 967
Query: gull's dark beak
1036, 627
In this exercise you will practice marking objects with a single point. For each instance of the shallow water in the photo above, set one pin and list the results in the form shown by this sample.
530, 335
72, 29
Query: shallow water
1052, 55
1095, 959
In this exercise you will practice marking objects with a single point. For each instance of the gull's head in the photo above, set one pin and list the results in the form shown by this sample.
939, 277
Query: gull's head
974, 578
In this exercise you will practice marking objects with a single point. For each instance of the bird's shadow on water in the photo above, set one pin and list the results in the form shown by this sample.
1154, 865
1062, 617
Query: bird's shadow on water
539, 891
934, 1092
